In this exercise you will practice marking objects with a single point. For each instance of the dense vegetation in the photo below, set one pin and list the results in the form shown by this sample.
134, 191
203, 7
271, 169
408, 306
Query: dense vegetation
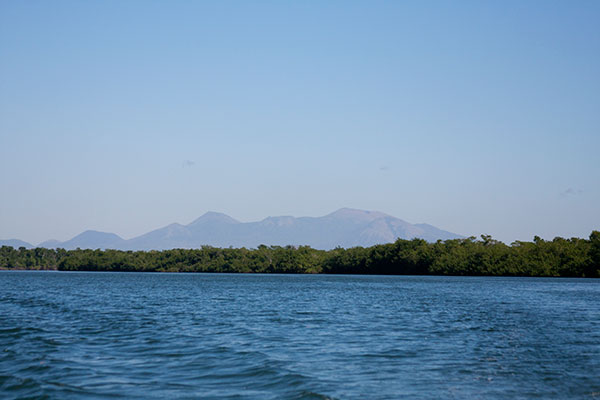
560, 257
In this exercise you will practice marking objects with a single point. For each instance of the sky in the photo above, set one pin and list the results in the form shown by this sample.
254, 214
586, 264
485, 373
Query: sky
478, 117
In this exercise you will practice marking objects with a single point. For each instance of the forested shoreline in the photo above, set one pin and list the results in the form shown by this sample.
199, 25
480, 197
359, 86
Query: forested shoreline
560, 257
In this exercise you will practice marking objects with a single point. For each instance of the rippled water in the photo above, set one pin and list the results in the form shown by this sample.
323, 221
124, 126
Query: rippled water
142, 335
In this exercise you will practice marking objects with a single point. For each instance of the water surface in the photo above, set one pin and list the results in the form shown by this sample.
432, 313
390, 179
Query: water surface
221, 336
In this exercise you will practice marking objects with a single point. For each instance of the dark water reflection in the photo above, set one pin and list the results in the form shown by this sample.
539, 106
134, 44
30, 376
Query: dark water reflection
135, 335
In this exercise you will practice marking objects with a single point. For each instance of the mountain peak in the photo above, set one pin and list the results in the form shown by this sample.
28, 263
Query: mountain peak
97, 234
212, 217
92, 240
279, 221
353, 213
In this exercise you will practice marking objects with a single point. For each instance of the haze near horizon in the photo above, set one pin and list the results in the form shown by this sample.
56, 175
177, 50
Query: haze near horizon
478, 118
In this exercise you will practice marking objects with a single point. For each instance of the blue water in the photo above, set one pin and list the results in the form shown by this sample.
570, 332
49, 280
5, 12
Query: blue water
142, 335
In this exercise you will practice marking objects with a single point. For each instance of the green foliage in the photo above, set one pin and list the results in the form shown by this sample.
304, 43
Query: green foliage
560, 257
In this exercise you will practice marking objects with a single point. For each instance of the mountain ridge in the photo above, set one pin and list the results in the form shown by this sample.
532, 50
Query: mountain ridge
346, 227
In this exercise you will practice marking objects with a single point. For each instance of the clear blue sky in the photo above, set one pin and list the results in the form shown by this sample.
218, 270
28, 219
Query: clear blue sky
474, 116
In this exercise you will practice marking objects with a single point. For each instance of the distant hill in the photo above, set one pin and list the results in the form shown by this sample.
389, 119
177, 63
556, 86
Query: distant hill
344, 228
92, 240
50, 244
15, 243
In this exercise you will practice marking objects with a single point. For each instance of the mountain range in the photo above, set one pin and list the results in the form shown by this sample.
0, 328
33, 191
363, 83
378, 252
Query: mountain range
344, 228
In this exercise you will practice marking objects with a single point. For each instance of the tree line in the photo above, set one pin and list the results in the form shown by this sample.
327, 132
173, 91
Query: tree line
573, 257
